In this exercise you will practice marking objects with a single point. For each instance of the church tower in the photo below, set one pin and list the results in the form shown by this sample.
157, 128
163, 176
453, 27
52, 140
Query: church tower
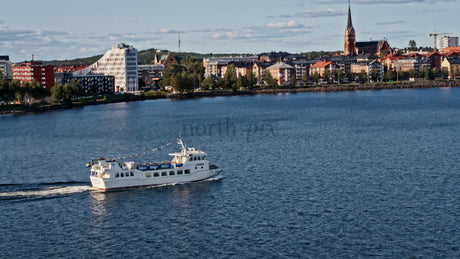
350, 40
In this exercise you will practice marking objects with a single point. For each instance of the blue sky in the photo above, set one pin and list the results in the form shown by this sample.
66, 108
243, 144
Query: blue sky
57, 29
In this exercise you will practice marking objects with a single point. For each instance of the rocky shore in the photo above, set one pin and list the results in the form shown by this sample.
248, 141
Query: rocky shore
26, 108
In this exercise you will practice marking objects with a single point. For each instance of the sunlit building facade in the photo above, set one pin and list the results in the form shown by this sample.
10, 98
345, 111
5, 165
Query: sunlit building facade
121, 62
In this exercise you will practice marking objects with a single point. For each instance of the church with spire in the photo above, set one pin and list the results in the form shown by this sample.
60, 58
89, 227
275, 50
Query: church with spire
352, 48
350, 37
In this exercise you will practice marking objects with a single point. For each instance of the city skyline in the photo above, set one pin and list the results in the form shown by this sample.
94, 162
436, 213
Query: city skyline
52, 30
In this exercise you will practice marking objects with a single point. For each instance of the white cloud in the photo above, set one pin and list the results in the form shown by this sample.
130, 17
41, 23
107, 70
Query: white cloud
316, 13
279, 25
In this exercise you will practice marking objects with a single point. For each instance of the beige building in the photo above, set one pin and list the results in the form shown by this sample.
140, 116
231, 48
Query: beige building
281, 72
452, 65
322, 66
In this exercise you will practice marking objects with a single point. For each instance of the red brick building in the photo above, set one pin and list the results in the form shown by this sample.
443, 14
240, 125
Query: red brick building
29, 71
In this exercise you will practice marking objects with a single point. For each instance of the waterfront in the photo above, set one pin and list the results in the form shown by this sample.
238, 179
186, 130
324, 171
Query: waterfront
342, 174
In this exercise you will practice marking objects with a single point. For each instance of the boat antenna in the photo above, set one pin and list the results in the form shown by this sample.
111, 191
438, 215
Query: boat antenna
179, 141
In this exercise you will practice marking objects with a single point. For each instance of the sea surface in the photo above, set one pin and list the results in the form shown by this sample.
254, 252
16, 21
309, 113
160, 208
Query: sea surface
311, 175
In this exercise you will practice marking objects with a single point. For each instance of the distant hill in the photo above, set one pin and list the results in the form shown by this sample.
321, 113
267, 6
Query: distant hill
147, 56
77, 61
144, 57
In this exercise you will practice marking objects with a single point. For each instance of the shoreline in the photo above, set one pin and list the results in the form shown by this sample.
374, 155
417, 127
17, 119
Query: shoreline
24, 108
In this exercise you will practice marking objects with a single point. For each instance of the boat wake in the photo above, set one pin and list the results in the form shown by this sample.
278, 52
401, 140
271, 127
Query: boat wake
39, 192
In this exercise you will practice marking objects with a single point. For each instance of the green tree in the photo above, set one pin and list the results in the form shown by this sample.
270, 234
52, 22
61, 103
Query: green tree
374, 75
36, 91
57, 92
412, 45
401, 75
220, 82
4, 88
208, 83
230, 75
445, 73
436, 72
426, 73
350, 77
293, 81
242, 81
412, 73
270, 81
168, 72
340, 75
327, 75
362, 76
305, 79
390, 75
251, 78
316, 76
72, 90
456, 72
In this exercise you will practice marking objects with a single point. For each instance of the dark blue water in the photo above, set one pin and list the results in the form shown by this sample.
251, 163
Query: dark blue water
349, 174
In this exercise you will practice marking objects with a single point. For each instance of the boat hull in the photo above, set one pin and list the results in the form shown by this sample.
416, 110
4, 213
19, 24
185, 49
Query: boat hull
139, 180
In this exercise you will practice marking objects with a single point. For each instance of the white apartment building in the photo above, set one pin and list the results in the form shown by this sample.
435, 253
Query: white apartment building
6, 67
121, 62
446, 41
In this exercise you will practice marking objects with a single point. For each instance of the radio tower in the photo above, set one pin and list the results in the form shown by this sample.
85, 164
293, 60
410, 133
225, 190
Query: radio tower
178, 42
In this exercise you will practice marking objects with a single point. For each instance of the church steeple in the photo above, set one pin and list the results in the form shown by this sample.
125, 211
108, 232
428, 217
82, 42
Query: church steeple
349, 24
350, 41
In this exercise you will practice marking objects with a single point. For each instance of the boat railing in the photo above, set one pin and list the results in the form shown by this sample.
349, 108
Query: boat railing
157, 166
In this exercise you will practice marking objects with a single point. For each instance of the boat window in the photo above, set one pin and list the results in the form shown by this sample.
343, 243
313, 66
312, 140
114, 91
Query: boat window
201, 167
148, 174
122, 174
194, 158
117, 175
204, 158
164, 173
199, 158
156, 174
179, 172
171, 173
132, 174
187, 171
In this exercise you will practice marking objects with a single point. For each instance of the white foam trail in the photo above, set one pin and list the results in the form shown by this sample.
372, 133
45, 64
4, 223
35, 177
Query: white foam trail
47, 191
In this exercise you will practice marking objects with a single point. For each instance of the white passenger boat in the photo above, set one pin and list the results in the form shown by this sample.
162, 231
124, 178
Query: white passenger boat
188, 165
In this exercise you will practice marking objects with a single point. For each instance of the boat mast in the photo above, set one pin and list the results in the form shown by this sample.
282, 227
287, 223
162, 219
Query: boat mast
179, 141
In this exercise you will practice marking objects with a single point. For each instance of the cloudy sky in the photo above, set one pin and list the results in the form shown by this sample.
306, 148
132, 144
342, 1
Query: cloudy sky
57, 29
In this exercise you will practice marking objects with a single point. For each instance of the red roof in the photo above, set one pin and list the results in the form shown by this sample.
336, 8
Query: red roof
321, 64
394, 56
432, 54
450, 49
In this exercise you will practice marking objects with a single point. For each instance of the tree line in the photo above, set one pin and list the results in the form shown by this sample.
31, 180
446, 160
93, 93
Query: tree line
29, 92
190, 76
14, 90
